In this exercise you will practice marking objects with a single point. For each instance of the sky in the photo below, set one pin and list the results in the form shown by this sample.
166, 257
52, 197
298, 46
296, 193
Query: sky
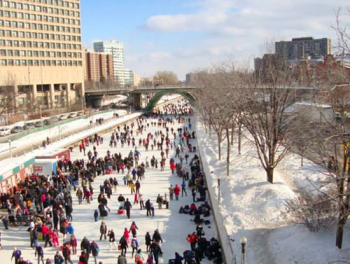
187, 35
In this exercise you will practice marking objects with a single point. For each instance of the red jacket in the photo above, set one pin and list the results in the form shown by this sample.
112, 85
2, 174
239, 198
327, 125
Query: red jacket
177, 190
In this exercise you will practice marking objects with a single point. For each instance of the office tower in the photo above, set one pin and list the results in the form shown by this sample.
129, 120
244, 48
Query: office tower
41, 52
117, 50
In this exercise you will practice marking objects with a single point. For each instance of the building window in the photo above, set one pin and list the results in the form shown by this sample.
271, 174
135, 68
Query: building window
47, 63
10, 62
29, 53
23, 62
21, 34
35, 62
26, 16
34, 35
16, 53
9, 52
3, 52
20, 15
1, 33
53, 63
27, 34
58, 63
41, 54
9, 43
8, 33
22, 53
30, 62
17, 63
14, 14
3, 63
2, 42
22, 43
28, 44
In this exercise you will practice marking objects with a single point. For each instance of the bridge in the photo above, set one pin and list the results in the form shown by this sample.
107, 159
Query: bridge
155, 93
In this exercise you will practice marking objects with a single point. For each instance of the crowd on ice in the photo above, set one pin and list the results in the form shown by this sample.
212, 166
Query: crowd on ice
45, 203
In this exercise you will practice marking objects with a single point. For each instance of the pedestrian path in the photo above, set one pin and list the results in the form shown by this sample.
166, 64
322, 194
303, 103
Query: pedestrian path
173, 227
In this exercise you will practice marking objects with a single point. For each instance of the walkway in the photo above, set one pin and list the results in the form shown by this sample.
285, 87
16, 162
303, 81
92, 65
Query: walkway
173, 226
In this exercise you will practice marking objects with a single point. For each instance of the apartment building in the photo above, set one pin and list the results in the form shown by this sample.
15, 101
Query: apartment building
41, 55
116, 49
302, 48
98, 66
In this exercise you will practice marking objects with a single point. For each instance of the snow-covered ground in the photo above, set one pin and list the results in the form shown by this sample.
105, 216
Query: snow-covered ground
249, 206
252, 207
174, 227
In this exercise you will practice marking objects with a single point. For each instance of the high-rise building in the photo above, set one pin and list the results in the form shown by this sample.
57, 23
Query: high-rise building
98, 66
41, 52
117, 50
129, 77
302, 48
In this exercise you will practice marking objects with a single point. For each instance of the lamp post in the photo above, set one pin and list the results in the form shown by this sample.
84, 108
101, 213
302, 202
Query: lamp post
10, 148
219, 192
243, 241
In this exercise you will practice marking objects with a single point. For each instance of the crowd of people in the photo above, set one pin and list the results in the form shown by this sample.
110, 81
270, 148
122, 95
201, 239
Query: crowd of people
45, 203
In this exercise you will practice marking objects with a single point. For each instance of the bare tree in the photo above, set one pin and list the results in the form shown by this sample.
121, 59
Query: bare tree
165, 78
8, 95
264, 103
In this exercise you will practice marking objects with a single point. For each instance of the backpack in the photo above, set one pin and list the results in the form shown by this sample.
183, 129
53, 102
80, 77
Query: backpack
133, 243
138, 260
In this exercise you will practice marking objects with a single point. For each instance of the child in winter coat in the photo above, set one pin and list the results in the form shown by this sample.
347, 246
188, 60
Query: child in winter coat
73, 243
55, 240
96, 215
150, 259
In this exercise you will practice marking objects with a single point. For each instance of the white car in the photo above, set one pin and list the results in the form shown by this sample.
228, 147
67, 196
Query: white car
5, 131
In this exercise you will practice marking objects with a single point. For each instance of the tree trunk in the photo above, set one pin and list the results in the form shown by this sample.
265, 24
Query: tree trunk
239, 138
219, 145
228, 152
343, 206
302, 160
232, 132
269, 173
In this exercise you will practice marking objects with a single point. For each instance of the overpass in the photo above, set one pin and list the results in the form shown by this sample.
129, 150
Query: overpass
155, 93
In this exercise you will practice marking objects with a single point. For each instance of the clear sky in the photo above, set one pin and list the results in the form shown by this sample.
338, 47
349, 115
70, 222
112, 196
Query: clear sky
186, 35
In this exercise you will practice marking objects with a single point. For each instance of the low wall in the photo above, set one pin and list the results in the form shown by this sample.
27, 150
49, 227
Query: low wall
227, 252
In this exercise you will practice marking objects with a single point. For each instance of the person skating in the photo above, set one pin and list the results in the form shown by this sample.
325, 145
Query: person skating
103, 230
127, 206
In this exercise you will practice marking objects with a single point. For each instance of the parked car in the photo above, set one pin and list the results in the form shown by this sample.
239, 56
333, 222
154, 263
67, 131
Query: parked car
80, 114
38, 123
51, 120
62, 117
71, 115
29, 125
16, 129
5, 131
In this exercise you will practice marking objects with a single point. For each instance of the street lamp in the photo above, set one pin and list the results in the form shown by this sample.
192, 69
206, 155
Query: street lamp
10, 148
243, 241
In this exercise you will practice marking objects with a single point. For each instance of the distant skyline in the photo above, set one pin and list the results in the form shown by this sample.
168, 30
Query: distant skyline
186, 35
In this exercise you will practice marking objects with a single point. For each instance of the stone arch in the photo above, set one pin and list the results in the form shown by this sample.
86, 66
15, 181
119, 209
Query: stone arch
158, 95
